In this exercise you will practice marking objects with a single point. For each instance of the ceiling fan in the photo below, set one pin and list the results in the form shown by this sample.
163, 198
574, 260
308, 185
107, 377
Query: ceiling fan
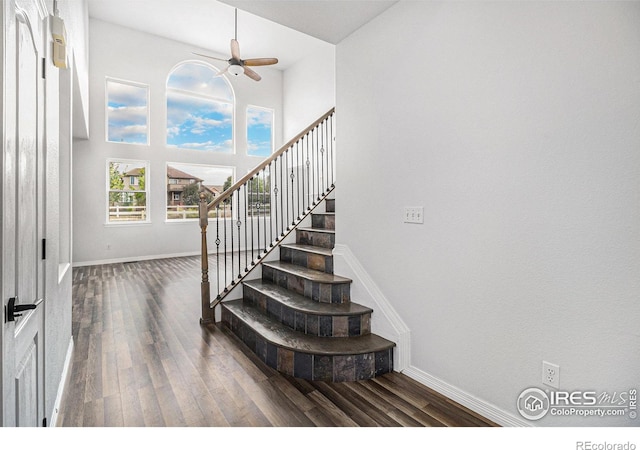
238, 66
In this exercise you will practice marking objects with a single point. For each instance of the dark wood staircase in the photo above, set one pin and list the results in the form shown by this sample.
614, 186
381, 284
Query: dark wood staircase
299, 318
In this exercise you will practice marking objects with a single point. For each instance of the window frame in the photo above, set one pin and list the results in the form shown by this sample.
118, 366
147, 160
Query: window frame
174, 164
147, 191
106, 110
201, 97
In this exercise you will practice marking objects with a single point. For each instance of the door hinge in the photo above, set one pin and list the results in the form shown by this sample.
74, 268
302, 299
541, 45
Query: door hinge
44, 249
44, 422
44, 68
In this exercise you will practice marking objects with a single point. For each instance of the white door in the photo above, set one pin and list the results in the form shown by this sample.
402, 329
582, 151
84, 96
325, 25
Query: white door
23, 216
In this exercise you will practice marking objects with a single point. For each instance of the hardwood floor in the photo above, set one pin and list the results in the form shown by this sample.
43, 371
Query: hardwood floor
142, 359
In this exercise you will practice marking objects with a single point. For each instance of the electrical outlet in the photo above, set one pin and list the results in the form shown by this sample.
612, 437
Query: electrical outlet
413, 214
550, 374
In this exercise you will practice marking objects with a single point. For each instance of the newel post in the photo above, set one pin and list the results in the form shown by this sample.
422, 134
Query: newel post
207, 311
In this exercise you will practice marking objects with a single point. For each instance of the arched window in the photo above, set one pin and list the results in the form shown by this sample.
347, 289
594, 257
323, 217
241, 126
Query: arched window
200, 106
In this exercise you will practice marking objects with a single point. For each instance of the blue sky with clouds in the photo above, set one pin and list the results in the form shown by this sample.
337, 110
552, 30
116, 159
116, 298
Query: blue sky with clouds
127, 113
199, 109
259, 131
199, 113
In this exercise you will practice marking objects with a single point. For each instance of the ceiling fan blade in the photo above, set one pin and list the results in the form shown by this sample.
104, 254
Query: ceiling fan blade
251, 74
235, 49
260, 61
223, 71
210, 57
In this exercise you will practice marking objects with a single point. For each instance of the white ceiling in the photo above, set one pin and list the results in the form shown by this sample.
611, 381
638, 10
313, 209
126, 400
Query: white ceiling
287, 30
328, 20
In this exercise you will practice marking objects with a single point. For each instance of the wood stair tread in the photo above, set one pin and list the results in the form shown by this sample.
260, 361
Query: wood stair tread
304, 304
309, 274
310, 248
283, 336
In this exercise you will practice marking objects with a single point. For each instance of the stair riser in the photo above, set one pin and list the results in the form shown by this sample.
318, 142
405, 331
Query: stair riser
334, 368
323, 221
330, 204
316, 291
317, 238
312, 324
307, 259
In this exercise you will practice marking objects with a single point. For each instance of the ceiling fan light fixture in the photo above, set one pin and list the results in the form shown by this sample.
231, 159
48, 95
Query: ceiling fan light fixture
236, 69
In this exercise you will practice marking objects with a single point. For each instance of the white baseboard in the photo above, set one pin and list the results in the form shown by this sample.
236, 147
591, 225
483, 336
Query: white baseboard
467, 400
366, 292
63, 383
132, 259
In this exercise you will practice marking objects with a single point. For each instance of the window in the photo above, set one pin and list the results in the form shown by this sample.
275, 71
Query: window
127, 112
259, 131
127, 191
199, 109
184, 183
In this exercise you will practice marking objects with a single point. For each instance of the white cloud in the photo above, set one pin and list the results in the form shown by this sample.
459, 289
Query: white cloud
201, 79
128, 114
126, 94
259, 117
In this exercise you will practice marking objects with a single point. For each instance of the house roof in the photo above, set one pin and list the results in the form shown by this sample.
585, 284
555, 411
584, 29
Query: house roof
172, 172
215, 190
136, 172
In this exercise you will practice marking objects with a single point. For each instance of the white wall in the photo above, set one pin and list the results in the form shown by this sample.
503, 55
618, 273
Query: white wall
308, 90
76, 16
515, 125
126, 54
59, 125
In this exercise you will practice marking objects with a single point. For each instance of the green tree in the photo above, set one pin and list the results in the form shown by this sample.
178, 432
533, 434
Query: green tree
191, 194
140, 197
227, 183
116, 183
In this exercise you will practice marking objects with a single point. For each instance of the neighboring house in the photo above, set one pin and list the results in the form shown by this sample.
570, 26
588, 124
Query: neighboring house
132, 179
213, 190
177, 181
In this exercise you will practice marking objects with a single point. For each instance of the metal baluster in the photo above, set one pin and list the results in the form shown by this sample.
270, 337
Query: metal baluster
298, 178
282, 186
275, 193
302, 180
239, 224
231, 230
270, 207
218, 250
246, 225
257, 198
307, 164
312, 175
318, 160
286, 160
264, 208
324, 155
252, 216
293, 211
330, 119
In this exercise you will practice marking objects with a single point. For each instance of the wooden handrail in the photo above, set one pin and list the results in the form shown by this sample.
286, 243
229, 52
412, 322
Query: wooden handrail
222, 197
